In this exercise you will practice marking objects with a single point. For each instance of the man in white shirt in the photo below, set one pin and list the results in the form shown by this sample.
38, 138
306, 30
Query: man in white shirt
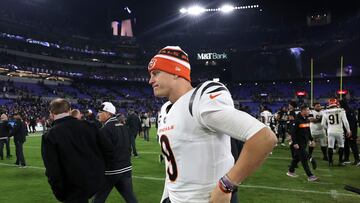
195, 126
333, 120
317, 130
266, 116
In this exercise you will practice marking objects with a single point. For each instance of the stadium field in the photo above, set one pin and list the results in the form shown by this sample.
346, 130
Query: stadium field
269, 184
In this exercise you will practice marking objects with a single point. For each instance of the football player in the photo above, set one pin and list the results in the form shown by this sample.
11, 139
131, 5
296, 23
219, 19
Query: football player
195, 128
266, 116
333, 120
317, 130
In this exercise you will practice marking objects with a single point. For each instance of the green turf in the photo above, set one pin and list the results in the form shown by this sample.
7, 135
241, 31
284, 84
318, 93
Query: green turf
268, 184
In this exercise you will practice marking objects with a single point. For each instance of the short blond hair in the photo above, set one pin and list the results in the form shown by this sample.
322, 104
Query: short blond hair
59, 106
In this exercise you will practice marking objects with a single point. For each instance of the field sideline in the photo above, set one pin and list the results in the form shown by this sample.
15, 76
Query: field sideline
268, 184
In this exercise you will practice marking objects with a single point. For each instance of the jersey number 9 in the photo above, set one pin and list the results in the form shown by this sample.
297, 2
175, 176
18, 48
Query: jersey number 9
167, 152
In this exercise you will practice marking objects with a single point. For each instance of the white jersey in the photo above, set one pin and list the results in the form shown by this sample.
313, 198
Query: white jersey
334, 119
315, 127
266, 117
193, 137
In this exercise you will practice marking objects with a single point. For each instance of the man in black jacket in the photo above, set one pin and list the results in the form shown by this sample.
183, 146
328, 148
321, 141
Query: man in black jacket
72, 156
350, 141
5, 128
300, 136
19, 132
134, 124
118, 164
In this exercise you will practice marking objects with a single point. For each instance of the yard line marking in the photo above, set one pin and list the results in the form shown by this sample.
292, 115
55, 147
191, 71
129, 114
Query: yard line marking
321, 183
323, 169
296, 190
31, 136
331, 193
327, 175
13, 165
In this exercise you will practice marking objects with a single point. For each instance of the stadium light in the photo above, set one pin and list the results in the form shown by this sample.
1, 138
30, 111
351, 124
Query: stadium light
183, 10
196, 10
227, 8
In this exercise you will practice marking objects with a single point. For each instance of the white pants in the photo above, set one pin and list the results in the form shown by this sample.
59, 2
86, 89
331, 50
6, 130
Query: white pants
339, 137
320, 138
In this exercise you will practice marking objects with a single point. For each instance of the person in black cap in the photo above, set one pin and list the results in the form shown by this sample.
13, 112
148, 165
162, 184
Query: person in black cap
117, 162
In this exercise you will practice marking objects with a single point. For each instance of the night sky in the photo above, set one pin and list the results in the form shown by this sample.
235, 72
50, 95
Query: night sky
88, 15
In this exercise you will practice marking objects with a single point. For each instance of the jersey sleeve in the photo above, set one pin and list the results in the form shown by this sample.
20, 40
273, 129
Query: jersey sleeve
216, 112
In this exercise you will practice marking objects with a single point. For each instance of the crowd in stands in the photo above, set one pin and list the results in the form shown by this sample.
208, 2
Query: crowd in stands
32, 98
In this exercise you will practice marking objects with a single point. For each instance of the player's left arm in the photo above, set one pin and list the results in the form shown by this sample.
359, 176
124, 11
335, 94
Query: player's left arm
253, 154
220, 115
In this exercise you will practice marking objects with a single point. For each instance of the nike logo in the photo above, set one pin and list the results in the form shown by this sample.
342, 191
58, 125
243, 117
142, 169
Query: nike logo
214, 96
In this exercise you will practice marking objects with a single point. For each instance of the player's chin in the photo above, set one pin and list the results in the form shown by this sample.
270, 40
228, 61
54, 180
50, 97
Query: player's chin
159, 93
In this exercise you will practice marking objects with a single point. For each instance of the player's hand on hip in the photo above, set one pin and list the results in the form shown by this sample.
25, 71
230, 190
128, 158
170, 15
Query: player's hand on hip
218, 196
296, 146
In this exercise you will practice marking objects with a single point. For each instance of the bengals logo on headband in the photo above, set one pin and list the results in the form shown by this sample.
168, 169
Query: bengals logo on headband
152, 64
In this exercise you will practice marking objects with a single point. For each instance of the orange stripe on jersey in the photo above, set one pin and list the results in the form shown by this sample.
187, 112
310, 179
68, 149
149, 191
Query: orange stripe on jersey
304, 125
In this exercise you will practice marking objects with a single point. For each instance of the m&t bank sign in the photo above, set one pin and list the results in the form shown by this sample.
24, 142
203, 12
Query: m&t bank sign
212, 56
